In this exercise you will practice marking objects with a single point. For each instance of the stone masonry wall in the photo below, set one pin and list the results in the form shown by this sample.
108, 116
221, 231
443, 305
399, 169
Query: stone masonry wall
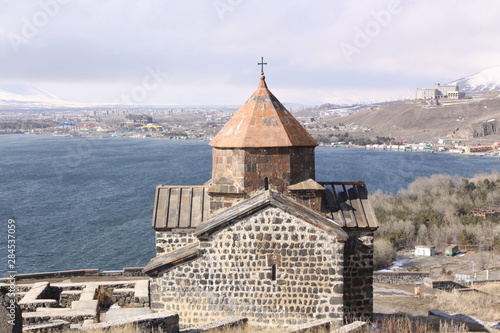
308, 198
302, 164
358, 276
270, 267
247, 169
399, 277
446, 285
237, 173
167, 241
220, 201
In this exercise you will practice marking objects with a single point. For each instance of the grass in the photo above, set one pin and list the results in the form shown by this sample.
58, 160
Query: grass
478, 305
405, 324
121, 329
484, 306
386, 325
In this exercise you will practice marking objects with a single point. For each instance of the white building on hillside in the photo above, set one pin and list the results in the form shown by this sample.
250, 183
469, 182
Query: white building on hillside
425, 250
439, 92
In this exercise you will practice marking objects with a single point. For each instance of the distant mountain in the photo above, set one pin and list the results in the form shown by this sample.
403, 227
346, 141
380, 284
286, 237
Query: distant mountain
487, 80
21, 95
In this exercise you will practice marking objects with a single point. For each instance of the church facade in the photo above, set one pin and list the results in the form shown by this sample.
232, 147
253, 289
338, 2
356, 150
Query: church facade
262, 239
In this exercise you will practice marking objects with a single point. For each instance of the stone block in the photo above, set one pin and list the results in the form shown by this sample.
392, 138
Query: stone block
51, 326
317, 325
223, 325
355, 327
11, 320
167, 322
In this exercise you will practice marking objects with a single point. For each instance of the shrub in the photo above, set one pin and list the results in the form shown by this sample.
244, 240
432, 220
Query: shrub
383, 253
437, 210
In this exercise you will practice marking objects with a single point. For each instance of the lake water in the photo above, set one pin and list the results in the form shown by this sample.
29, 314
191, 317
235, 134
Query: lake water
87, 203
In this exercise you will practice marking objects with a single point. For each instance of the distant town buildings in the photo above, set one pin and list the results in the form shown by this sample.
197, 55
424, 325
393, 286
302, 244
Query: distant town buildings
439, 92
138, 119
487, 211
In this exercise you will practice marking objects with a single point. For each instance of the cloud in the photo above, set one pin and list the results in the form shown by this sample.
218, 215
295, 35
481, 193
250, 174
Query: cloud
90, 51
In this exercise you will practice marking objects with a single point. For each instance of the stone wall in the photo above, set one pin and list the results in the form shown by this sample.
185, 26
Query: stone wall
168, 241
483, 282
244, 171
399, 277
127, 271
308, 198
221, 200
69, 296
446, 285
270, 267
125, 296
358, 276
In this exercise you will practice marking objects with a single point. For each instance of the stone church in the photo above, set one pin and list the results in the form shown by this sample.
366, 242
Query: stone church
262, 239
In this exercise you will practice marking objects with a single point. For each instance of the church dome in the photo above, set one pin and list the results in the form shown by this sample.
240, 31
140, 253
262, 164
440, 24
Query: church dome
263, 122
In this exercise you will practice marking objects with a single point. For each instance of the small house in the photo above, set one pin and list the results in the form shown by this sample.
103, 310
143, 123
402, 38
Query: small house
425, 250
451, 250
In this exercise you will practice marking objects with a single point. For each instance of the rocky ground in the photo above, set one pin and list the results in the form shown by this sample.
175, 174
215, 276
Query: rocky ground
391, 299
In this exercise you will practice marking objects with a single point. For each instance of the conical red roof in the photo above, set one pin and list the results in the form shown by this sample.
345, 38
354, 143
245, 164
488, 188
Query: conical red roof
263, 122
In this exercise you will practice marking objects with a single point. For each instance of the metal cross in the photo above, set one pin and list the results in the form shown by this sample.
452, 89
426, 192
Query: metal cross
262, 63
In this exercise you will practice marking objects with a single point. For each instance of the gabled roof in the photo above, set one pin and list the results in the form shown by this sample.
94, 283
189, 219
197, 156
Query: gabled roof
256, 203
263, 122
180, 207
173, 258
348, 204
306, 185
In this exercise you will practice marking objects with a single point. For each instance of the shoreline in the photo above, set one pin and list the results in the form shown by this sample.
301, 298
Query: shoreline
475, 154
482, 154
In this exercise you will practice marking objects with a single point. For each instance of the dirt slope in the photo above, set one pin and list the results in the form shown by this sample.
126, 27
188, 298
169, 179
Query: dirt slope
465, 120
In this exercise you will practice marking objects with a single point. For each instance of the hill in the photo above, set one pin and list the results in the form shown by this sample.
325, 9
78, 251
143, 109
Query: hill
22, 95
485, 81
473, 119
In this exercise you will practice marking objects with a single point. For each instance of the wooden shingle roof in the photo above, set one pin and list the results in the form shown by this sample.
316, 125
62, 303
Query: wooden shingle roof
180, 207
186, 207
173, 258
347, 203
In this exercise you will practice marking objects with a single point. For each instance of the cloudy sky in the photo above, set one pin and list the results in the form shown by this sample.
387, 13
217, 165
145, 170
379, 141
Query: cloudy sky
206, 51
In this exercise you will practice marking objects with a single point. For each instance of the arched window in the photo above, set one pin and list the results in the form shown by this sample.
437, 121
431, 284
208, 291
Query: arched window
266, 183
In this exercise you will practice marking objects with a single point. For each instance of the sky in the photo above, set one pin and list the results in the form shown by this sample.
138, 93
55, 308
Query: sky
205, 52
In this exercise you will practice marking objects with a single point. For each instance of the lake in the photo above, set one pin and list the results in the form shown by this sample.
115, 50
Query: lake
87, 203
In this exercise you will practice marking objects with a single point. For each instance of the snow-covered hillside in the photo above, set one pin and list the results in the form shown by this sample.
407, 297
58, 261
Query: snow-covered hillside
20, 95
484, 81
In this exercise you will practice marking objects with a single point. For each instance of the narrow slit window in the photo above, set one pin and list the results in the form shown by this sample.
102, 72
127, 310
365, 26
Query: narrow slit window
274, 272
266, 183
